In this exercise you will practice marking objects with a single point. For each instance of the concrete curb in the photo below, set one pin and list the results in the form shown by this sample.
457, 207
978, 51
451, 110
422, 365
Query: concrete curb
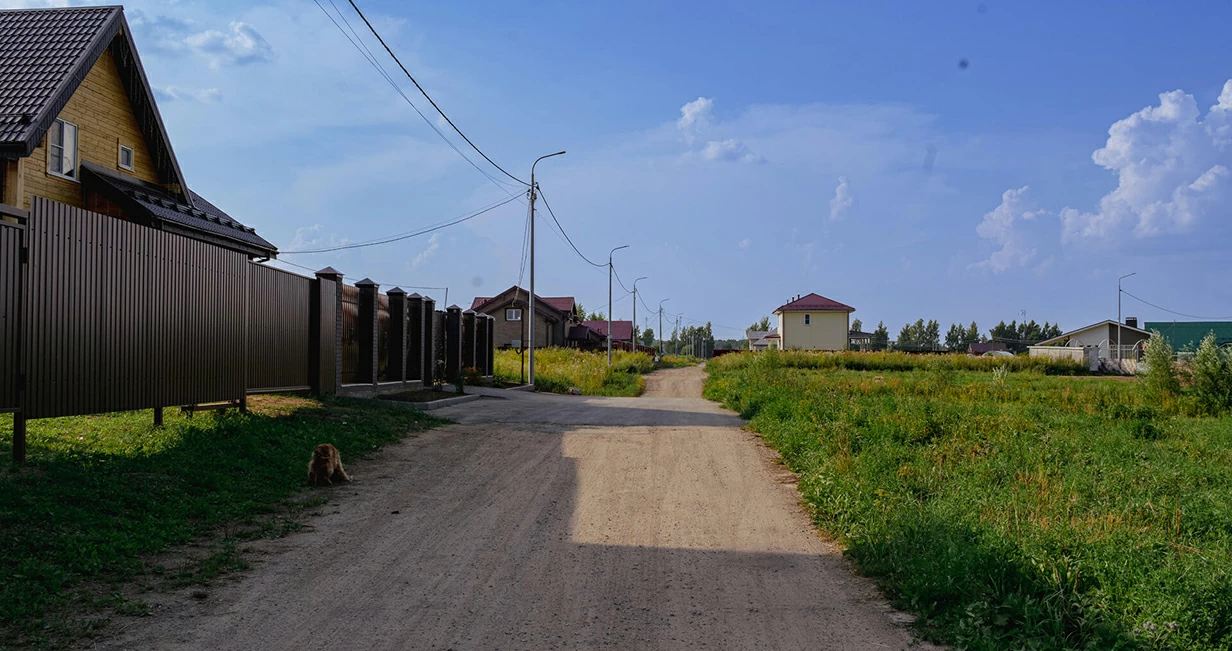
492, 392
430, 406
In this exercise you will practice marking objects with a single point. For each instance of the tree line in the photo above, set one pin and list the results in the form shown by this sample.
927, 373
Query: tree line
926, 335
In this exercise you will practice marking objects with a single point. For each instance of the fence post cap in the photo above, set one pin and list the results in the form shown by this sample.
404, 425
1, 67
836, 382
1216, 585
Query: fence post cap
365, 283
467, 311
415, 295
329, 272
453, 308
397, 291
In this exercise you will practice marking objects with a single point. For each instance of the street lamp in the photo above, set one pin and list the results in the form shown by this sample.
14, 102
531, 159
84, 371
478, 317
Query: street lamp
661, 351
609, 302
1118, 353
531, 327
633, 332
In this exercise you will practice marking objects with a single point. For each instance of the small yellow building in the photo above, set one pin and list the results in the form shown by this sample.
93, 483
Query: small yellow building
813, 322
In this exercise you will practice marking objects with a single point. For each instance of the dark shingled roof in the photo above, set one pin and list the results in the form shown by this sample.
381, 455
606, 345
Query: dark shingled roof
161, 206
814, 303
561, 303
621, 330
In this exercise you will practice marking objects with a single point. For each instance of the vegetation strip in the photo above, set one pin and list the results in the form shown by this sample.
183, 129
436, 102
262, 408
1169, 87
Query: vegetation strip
559, 369
1008, 508
103, 493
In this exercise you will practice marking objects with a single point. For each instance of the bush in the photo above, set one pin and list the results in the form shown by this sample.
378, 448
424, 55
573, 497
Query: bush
1160, 377
1211, 375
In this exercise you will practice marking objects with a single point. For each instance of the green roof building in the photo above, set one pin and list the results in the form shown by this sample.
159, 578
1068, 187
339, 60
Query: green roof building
1186, 335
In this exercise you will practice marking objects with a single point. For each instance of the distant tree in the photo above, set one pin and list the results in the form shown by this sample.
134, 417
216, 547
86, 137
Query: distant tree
761, 326
857, 326
972, 336
596, 316
906, 339
881, 337
648, 337
931, 337
956, 337
579, 312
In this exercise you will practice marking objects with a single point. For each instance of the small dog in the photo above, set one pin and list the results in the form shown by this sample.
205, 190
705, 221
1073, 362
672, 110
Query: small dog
326, 466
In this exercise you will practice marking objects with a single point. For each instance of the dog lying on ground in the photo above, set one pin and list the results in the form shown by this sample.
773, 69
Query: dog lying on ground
326, 466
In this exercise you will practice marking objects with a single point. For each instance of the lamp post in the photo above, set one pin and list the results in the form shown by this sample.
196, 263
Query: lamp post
609, 301
661, 351
531, 311
1118, 344
633, 333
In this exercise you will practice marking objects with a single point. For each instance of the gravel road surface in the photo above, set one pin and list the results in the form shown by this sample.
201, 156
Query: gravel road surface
549, 522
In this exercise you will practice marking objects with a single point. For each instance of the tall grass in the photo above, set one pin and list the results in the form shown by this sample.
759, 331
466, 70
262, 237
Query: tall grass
1009, 510
900, 361
559, 369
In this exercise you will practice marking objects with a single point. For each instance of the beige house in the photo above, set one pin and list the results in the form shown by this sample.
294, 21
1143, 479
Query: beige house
813, 322
553, 318
1104, 337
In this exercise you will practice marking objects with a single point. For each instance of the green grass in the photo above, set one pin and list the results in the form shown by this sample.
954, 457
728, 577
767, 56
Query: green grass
559, 369
1010, 509
101, 494
677, 361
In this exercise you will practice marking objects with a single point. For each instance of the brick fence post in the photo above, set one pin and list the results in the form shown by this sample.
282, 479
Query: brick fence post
397, 335
429, 341
366, 325
453, 341
468, 339
414, 337
325, 333
490, 347
481, 340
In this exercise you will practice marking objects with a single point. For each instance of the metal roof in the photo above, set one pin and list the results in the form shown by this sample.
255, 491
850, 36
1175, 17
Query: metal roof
814, 303
1105, 322
621, 330
1185, 335
161, 206
560, 303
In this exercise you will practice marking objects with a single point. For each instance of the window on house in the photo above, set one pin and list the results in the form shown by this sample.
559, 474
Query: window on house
808, 319
62, 150
126, 158
513, 314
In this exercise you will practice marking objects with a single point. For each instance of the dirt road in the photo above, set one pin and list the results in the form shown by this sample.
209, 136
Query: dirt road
551, 522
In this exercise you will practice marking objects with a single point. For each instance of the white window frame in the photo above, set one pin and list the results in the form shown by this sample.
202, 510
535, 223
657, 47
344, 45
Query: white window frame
120, 159
59, 124
808, 319
517, 312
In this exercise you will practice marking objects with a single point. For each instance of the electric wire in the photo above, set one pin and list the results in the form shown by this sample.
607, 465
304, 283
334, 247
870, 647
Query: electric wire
429, 98
1188, 316
405, 236
562, 230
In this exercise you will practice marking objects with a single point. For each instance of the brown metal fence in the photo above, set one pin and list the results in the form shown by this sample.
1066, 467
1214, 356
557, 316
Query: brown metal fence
279, 319
350, 334
382, 346
11, 239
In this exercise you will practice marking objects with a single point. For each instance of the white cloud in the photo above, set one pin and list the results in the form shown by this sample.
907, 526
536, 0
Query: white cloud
746, 243
241, 45
843, 200
694, 117
1004, 225
729, 150
434, 243
1173, 171
173, 93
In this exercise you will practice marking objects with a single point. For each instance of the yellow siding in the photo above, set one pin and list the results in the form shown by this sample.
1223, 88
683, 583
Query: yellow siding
105, 120
826, 331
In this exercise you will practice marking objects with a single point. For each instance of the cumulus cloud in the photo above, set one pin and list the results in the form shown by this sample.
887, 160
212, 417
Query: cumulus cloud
1172, 166
434, 243
242, 44
843, 200
177, 93
1008, 225
694, 117
745, 243
729, 150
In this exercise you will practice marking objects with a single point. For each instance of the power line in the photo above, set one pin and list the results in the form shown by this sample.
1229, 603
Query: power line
429, 98
360, 47
562, 230
399, 238
1188, 316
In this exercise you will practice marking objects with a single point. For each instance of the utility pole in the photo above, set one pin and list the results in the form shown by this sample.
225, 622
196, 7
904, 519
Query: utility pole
1118, 344
676, 334
633, 334
609, 302
531, 311
661, 350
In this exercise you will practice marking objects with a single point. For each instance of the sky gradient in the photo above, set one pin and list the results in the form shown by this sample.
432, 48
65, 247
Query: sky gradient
961, 161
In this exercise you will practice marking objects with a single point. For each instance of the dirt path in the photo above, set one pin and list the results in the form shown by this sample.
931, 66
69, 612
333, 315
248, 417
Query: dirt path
551, 522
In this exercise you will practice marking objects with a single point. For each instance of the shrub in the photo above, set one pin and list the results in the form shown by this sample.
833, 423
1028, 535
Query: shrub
1211, 374
1160, 378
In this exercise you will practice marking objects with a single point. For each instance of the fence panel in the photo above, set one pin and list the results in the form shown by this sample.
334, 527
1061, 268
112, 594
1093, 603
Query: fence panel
350, 333
382, 337
279, 316
10, 304
120, 316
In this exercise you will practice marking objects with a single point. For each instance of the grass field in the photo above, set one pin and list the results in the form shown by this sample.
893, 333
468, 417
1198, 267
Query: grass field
1008, 508
558, 369
100, 494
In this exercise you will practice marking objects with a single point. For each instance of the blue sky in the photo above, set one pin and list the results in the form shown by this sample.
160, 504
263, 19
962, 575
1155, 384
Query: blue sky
747, 153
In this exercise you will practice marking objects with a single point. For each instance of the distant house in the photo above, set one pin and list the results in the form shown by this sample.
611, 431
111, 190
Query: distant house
79, 126
757, 339
1186, 335
813, 322
860, 340
621, 330
1106, 336
983, 347
553, 318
